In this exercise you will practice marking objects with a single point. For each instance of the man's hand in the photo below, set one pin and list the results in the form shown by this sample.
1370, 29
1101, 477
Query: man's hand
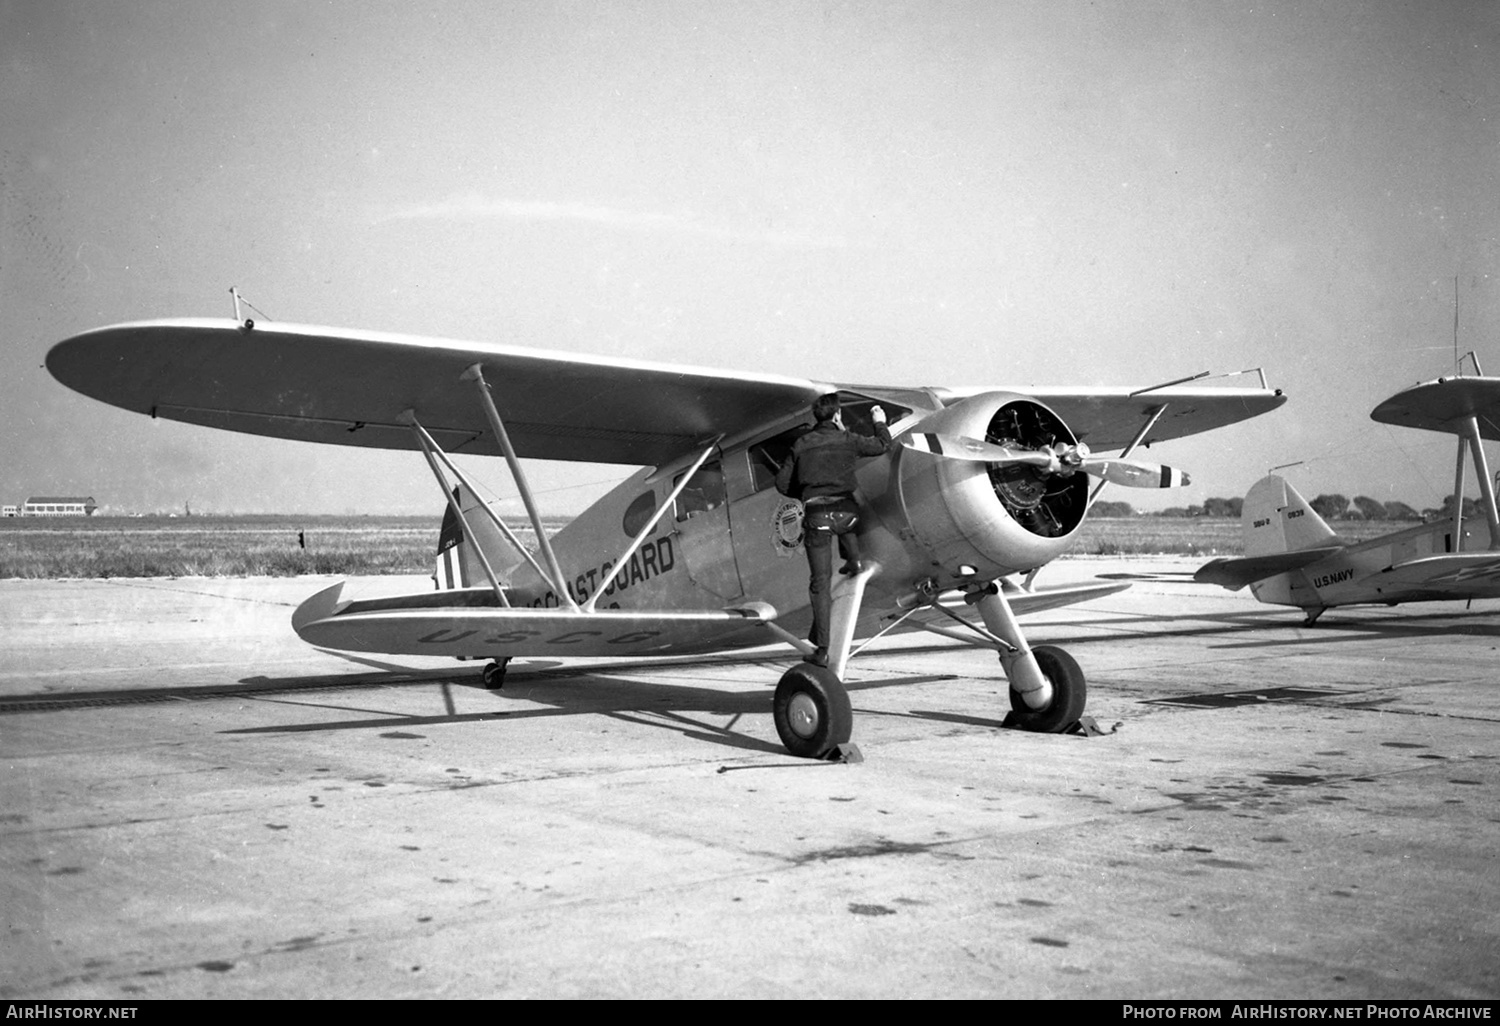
877, 414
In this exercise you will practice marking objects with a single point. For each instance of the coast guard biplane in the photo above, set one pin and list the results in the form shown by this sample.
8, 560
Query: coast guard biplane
1293, 558
697, 551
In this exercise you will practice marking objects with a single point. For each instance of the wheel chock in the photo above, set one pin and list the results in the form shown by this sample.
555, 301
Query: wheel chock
848, 752
1084, 726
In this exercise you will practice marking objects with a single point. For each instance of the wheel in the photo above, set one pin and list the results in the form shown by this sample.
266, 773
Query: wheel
812, 711
1069, 694
494, 674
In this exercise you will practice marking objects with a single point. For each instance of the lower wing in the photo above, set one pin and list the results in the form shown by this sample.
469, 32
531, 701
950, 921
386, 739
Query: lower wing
953, 617
470, 623
1462, 574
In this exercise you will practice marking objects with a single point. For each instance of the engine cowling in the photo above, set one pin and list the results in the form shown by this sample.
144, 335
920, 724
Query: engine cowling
990, 519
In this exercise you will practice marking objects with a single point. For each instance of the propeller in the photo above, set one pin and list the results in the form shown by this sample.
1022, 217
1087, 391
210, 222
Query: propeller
1061, 459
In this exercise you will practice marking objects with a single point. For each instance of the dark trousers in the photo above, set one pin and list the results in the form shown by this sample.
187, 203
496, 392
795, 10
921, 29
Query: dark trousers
823, 523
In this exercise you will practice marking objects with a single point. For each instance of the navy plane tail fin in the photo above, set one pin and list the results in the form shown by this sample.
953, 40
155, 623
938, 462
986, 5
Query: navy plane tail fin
1282, 533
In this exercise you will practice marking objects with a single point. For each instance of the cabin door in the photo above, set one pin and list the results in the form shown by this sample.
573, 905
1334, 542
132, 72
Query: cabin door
703, 533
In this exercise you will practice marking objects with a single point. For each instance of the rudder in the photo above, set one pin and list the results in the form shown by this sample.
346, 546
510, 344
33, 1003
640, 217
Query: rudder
458, 563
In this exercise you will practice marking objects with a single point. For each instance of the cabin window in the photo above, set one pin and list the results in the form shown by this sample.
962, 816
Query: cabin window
638, 512
705, 491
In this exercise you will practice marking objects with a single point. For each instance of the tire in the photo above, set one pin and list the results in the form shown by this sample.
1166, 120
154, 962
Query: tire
812, 711
494, 674
1069, 694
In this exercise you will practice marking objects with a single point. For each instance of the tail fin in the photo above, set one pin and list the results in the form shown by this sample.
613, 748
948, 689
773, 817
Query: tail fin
458, 564
1282, 534
1276, 519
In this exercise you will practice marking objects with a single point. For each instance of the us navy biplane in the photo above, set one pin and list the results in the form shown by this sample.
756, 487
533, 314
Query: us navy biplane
697, 551
1293, 558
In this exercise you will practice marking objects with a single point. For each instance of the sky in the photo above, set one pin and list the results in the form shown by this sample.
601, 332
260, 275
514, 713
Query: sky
1004, 192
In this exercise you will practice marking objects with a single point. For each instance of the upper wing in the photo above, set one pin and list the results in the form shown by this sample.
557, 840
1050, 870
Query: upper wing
1439, 406
1108, 418
351, 387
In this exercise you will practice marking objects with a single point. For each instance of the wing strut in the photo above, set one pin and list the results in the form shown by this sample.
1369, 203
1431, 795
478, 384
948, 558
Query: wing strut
1486, 483
425, 441
1458, 498
635, 543
1150, 423
475, 373
494, 517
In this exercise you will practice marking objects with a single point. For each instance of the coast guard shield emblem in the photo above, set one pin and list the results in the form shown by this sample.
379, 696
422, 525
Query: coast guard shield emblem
786, 527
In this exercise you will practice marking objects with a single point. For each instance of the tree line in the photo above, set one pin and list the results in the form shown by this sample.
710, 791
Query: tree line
1329, 506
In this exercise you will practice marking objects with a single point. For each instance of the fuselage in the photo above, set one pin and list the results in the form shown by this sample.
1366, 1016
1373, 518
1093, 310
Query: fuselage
731, 539
1352, 575
928, 522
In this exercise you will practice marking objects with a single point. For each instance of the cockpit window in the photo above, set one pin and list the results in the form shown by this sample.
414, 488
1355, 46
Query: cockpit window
705, 491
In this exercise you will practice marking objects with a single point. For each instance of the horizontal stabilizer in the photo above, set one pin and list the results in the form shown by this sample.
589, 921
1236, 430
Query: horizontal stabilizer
1461, 573
1234, 574
470, 623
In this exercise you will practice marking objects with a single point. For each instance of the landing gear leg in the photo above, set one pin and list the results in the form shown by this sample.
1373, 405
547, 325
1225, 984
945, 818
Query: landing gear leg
494, 674
1047, 689
812, 712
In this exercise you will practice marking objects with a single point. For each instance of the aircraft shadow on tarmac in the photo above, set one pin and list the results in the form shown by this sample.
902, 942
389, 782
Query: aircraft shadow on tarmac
600, 690
680, 707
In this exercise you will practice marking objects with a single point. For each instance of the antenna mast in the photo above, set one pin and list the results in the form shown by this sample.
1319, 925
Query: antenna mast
1457, 366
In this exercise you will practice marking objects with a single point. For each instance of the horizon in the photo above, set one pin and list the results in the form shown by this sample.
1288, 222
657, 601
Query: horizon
105, 511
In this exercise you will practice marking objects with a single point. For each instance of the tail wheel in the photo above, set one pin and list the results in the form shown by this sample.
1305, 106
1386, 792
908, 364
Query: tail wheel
494, 674
1069, 694
812, 711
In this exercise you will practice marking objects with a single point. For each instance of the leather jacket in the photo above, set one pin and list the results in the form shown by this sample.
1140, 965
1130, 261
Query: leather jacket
823, 461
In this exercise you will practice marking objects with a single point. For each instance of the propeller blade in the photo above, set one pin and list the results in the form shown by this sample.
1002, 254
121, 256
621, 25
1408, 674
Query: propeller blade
1063, 460
959, 447
1135, 473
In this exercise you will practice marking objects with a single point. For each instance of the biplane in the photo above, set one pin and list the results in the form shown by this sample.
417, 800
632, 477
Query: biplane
695, 552
1293, 558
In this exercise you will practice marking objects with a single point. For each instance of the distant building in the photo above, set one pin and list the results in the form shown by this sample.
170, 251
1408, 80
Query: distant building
10, 511
55, 506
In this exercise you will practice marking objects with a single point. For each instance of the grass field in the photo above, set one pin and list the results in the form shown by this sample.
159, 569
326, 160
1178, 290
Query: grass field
269, 545
217, 546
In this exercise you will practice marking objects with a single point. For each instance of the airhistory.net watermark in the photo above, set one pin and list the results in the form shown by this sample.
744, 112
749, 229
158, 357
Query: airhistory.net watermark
1309, 1010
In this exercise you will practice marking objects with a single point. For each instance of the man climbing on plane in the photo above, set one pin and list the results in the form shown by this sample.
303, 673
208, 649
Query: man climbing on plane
820, 472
